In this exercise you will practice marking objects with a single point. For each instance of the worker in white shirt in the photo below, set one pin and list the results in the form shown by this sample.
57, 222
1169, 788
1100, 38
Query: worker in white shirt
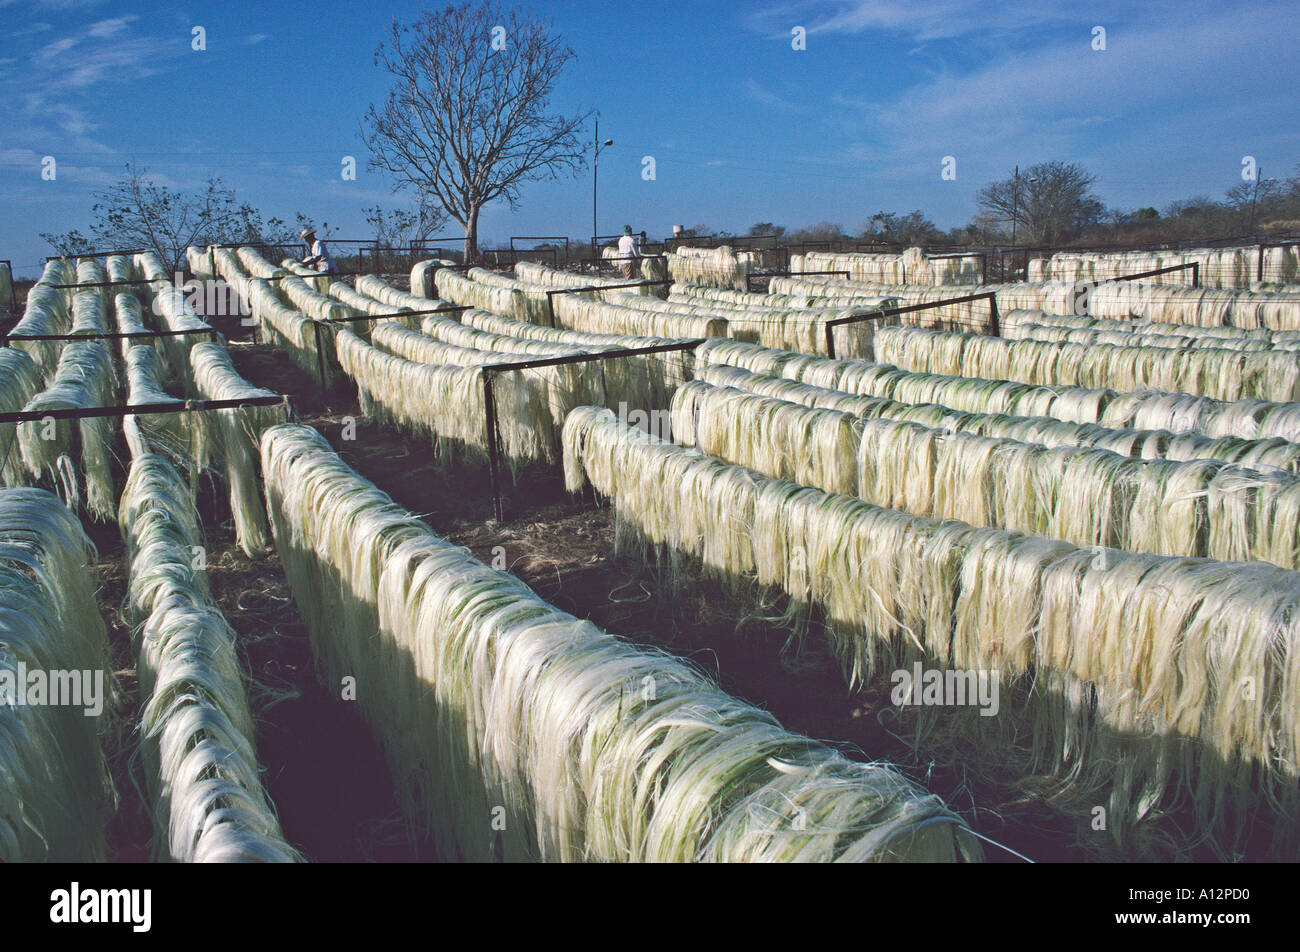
318, 256
628, 252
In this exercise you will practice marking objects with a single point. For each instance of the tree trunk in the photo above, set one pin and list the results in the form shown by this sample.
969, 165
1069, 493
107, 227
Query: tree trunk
471, 236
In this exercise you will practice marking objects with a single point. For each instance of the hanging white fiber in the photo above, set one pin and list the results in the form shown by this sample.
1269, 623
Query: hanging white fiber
1248, 419
1087, 497
311, 302
584, 314
175, 314
85, 379
366, 305
719, 267
457, 288
444, 402
20, 382
1266, 454
196, 725
251, 260
534, 273
1155, 657
55, 793
48, 311
493, 704
381, 290
316, 280
1210, 372
201, 261
179, 436
233, 437
645, 382
290, 330
545, 394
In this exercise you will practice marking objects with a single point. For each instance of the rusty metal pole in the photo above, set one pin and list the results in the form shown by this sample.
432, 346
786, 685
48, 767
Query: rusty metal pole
490, 419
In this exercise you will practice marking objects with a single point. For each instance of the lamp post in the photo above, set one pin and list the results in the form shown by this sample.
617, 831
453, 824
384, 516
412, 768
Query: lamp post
595, 169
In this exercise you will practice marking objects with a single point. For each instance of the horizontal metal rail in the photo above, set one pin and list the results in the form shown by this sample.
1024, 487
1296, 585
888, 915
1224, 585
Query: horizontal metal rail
144, 409
112, 335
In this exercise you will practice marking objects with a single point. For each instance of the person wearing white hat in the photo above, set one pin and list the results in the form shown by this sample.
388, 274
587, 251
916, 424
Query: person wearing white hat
318, 255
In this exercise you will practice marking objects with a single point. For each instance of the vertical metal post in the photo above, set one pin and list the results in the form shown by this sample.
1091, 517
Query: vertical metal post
1196, 274
994, 320
490, 419
830, 339
1259, 266
320, 359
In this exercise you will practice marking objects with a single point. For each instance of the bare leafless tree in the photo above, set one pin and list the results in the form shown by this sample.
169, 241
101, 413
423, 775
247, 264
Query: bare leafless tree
139, 212
468, 119
1048, 202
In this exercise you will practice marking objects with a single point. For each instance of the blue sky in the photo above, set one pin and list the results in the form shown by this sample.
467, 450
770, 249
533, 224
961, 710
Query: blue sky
742, 127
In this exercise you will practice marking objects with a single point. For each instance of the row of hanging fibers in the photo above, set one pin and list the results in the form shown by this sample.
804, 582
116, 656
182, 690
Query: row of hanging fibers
1087, 497
55, 792
1269, 454
1149, 678
1135, 336
174, 314
202, 261
20, 382
382, 291
362, 304
1208, 371
646, 382
1274, 310
1192, 335
1058, 297
560, 388
179, 435
233, 434
1219, 267
544, 394
494, 705
58, 448
286, 328
745, 300
643, 382
313, 303
532, 297
197, 732
1179, 413
536, 397
581, 313
457, 288
444, 402
48, 311
912, 266
720, 267
539, 274
792, 328
317, 280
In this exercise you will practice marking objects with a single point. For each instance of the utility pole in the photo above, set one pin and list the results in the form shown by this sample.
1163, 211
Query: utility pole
595, 168
1015, 204
1259, 174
